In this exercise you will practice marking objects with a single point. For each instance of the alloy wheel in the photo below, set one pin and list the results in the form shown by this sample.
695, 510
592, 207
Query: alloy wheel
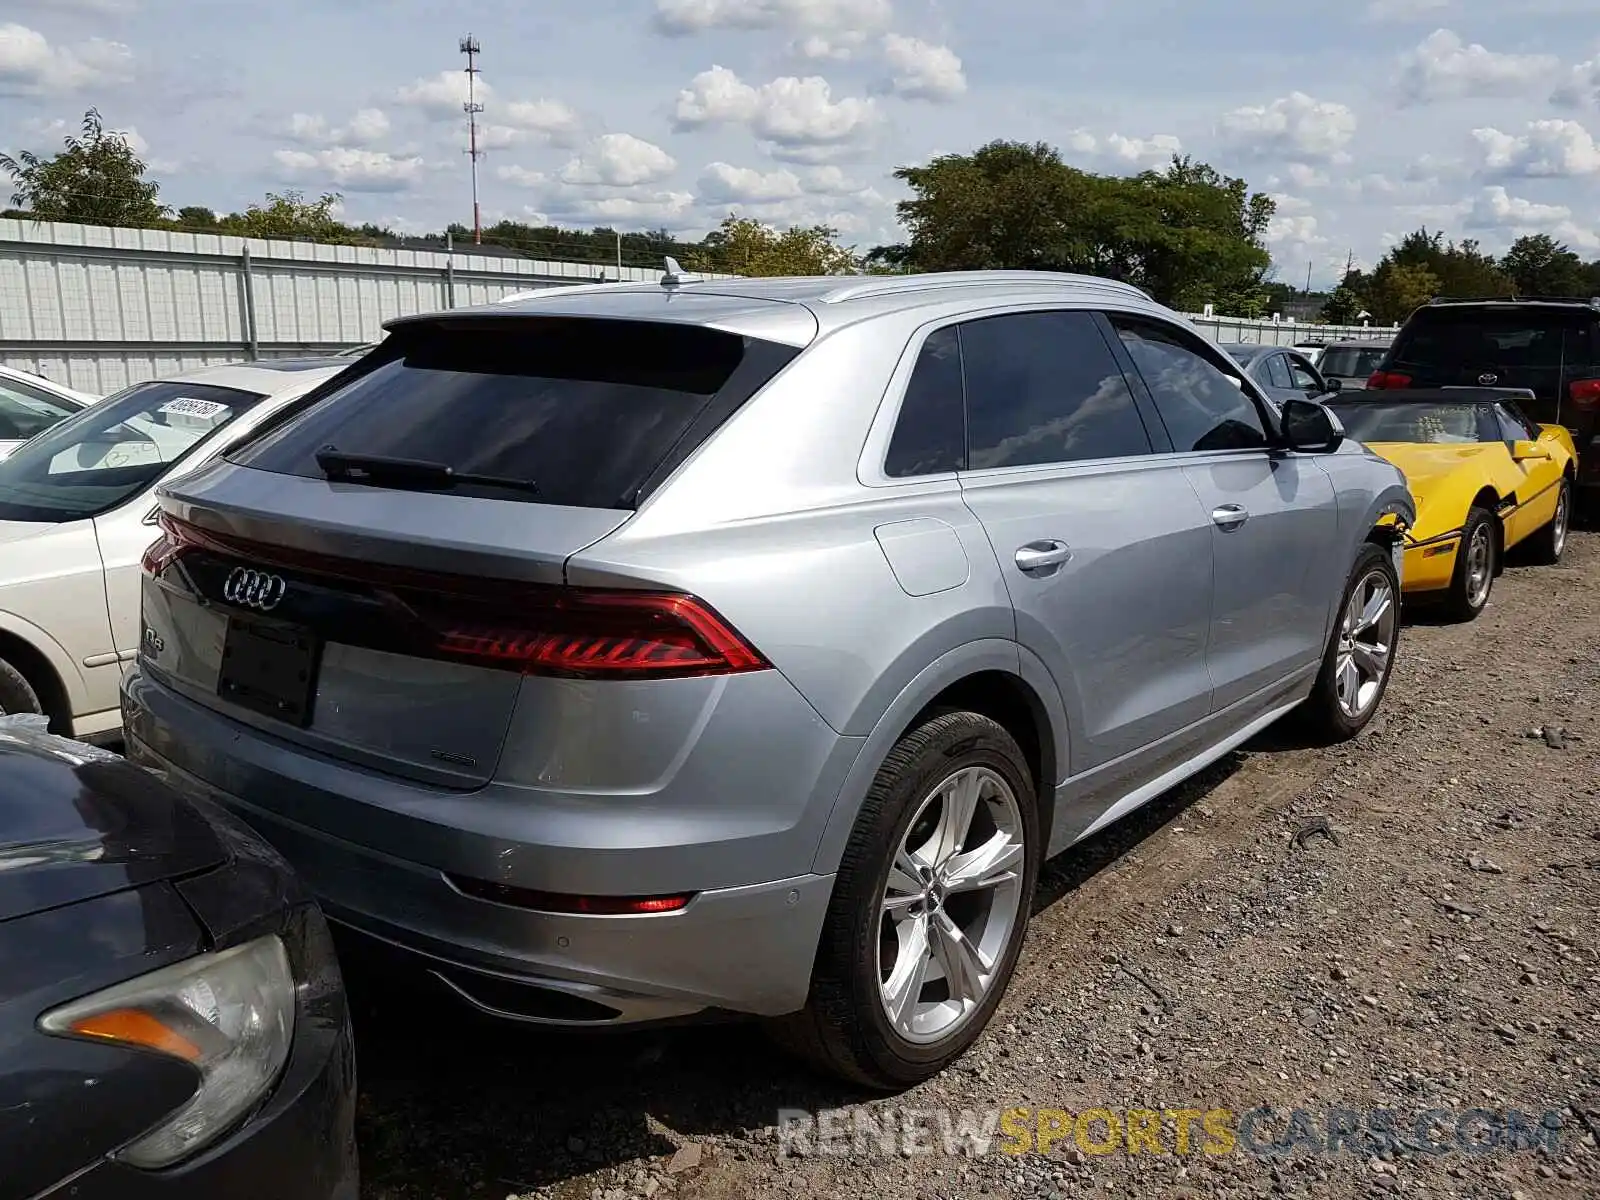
1558, 532
952, 904
1366, 643
1480, 565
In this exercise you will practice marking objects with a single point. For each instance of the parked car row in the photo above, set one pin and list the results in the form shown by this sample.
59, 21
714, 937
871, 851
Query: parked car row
649, 652
30, 404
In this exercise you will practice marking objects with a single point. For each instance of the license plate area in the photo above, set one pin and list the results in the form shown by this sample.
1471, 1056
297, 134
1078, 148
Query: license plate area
270, 668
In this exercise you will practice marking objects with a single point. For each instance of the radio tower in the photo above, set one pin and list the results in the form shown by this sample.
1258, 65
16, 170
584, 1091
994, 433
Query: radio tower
470, 47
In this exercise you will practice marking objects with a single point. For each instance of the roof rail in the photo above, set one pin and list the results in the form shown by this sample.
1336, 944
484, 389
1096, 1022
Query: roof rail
1592, 301
863, 288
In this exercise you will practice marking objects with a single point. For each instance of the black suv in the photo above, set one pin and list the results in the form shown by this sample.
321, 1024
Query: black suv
1549, 346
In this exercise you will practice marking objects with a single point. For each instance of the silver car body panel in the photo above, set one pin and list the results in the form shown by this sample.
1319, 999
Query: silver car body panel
1160, 643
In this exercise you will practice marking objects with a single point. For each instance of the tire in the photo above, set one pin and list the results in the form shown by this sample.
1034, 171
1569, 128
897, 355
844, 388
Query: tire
1474, 580
846, 1029
16, 693
1336, 711
1548, 543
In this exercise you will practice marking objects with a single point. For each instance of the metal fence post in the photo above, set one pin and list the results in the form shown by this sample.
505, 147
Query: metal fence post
449, 270
252, 344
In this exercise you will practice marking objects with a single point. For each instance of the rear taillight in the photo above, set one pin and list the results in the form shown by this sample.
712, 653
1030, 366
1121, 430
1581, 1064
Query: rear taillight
158, 555
1388, 381
557, 902
611, 635
1585, 393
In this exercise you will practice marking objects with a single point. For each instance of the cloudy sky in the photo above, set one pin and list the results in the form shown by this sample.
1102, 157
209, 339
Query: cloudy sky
1364, 118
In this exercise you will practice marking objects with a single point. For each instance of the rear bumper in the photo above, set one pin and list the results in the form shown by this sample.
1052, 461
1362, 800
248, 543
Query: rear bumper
746, 947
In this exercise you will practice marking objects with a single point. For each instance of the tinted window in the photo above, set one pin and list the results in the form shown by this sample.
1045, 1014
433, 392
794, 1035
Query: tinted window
1431, 424
1521, 418
587, 409
1352, 362
1303, 376
1529, 336
1277, 374
111, 451
25, 411
1203, 408
1511, 429
1045, 388
930, 434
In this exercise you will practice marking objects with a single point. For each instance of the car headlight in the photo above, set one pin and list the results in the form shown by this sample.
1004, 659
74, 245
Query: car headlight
229, 1014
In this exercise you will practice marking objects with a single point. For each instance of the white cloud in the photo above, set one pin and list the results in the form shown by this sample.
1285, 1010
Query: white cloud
638, 209
1081, 141
723, 183
31, 65
833, 18
1552, 148
922, 70
820, 47
547, 119
1581, 88
351, 169
1298, 232
1294, 125
1494, 208
789, 110
1443, 67
522, 176
99, 8
619, 160
1302, 175
1158, 148
1403, 10
441, 96
368, 126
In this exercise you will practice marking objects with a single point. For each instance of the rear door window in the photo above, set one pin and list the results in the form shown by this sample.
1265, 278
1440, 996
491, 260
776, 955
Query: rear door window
1044, 387
1277, 373
930, 435
1303, 375
591, 411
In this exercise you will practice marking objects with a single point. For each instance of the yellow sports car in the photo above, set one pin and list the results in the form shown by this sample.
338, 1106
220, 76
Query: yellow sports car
1485, 478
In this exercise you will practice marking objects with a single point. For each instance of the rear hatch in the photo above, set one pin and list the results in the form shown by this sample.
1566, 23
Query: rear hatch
1548, 349
372, 577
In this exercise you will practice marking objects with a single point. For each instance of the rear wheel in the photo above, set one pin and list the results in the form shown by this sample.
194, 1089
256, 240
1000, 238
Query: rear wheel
1547, 545
929, 909
16, 693
1360, 655
1475, 566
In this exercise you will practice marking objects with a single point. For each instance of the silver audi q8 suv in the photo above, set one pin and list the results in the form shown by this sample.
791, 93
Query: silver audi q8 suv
631, 652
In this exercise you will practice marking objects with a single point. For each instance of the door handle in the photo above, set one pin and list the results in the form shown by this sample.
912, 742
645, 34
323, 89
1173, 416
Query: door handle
1229, 516
1042, 556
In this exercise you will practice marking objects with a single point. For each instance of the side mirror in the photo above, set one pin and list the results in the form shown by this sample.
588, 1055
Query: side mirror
1334, 385
1529, 452
1311, 427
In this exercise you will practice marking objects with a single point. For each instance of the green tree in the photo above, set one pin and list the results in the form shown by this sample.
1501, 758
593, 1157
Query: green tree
1188, 234
1460, 269
290, 215
1344, 306
744, 246
96, 179
196, 216
1398, 289
1538, 265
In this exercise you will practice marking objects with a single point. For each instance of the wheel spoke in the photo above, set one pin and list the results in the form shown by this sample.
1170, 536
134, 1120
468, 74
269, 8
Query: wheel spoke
1349, 682
903, 988
1371, 658
905, 875
990, 865
964, 967
959, 803
1373, 610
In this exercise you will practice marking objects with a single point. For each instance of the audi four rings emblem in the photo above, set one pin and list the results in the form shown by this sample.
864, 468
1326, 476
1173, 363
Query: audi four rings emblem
254, 589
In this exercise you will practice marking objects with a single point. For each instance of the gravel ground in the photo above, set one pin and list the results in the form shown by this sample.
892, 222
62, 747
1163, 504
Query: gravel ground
1437, 951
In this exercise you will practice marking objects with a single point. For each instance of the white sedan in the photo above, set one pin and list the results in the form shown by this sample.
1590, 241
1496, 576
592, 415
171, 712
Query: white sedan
77, 509
30, 404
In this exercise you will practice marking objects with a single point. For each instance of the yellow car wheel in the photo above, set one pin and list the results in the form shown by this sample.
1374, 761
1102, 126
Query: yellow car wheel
1545, 547
1476, 560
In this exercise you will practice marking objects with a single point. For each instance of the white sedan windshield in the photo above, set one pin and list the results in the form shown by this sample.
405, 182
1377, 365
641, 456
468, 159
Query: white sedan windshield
113, 450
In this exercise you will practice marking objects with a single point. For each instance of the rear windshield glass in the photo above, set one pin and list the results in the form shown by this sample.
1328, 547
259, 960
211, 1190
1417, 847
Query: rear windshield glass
1352, 362
585, 409
1507, 338
113, 450
1430, 424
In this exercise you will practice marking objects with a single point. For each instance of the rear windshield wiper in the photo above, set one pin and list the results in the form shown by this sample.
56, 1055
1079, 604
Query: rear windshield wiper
414, 474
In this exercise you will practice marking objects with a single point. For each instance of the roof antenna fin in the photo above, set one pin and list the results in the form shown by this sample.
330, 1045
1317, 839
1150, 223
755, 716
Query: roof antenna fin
674, 275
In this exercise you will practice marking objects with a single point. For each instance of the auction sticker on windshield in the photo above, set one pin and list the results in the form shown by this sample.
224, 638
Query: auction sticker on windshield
188, 406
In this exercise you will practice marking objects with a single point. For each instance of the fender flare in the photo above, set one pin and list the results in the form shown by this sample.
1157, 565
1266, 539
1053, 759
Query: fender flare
53, 652
990, 654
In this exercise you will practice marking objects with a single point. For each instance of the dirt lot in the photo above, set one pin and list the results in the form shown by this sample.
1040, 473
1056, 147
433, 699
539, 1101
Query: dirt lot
1439, 951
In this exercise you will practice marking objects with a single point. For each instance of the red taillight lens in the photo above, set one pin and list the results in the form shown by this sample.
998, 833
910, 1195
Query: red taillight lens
1388, 380
555, 902
607, 635
1585, 393
158, 555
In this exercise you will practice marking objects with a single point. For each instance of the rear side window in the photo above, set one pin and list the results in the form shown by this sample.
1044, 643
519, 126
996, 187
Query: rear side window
1352, 362
591, 411
1277, 372
930, 435
1045, 388
1203, 408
